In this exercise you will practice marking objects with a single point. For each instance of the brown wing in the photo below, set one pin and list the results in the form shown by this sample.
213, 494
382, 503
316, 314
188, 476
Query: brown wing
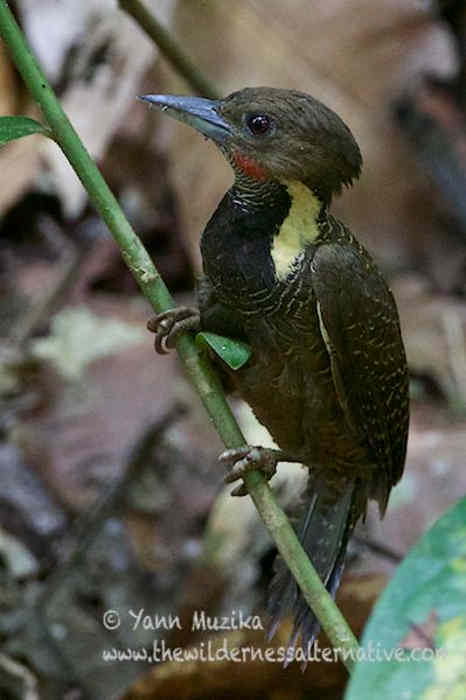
360, 326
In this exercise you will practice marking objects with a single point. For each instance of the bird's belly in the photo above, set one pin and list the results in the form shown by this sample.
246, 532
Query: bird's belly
295, 400
278, 409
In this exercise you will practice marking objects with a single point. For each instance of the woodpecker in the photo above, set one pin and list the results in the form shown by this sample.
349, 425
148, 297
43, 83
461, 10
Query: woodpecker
328, 375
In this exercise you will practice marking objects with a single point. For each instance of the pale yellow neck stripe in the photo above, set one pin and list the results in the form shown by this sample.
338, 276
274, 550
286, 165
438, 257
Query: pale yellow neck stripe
298, 229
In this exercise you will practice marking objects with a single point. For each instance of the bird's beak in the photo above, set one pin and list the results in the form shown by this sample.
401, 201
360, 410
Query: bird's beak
197, 112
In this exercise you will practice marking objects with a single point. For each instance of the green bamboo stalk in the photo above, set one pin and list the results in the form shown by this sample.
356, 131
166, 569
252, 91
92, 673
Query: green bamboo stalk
197, 365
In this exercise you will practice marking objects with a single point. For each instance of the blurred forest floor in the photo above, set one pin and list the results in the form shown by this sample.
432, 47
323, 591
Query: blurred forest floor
111, 495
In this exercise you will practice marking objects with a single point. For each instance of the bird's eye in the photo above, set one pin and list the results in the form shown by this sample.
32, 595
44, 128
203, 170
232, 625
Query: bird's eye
258, 124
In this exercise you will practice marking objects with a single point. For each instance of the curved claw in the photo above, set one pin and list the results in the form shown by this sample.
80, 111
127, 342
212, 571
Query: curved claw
159, 339
168, 326
240, 491
248, 458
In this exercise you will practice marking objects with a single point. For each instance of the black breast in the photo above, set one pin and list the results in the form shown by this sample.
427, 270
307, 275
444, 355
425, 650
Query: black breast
236, 242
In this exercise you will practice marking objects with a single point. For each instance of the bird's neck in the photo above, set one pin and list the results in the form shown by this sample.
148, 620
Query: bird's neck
258, 233
292, 229
299, 228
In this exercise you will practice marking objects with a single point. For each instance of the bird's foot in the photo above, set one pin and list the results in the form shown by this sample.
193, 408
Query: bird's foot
169, 325
248, 458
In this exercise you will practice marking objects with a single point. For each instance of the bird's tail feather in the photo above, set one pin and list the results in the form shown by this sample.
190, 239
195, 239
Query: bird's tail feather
324, 531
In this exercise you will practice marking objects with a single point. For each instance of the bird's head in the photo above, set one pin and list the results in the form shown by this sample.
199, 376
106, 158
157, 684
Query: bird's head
274, 134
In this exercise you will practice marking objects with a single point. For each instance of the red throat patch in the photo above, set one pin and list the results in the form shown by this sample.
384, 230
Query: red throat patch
249, 166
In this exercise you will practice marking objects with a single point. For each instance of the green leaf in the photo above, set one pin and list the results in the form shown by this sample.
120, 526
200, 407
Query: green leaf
422, 612
234, 353
15, 127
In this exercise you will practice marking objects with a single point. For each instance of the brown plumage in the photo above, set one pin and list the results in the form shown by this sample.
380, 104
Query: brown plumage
328, 374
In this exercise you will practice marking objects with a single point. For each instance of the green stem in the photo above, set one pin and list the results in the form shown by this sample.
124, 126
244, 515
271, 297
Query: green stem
197, 366
169, 48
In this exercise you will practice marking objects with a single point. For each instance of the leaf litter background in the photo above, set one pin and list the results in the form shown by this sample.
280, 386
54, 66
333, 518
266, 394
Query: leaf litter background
112, 498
